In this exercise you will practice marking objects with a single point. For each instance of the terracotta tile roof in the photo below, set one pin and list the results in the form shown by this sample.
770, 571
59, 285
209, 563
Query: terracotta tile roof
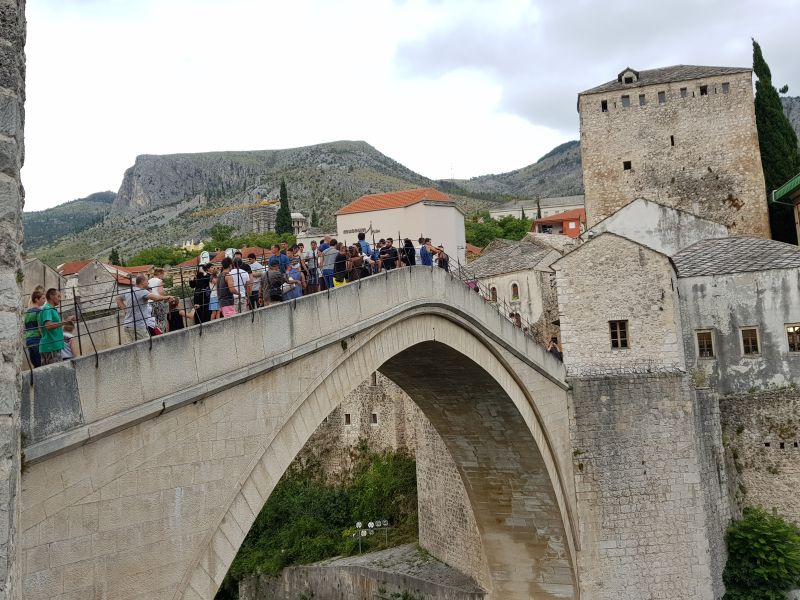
392, 200
216, 257
570, 215
471, 249
72, 267
133, 269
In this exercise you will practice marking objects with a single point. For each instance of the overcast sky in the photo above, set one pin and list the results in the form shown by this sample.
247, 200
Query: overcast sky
446, 87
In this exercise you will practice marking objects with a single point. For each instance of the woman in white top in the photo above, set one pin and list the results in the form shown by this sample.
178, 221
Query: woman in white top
156, 285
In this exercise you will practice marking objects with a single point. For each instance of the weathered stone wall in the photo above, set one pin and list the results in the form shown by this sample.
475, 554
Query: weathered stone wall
713, 169
447, 527
612, 278
762, 431
12, 99
377, 416
648, 489
768, 300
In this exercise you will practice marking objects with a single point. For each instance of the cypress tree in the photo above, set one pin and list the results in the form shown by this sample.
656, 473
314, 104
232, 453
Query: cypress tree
314, 218
778, 142
538, 209
522, 216
114, 258
283, 220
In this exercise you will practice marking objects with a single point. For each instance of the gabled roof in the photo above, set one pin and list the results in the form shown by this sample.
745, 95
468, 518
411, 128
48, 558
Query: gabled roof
737, 254
393, 200
507, 256
133, 269
570, 215
72, 267
666, 75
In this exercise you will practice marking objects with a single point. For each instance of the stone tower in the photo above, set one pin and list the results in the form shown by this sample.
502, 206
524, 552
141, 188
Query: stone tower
684, 136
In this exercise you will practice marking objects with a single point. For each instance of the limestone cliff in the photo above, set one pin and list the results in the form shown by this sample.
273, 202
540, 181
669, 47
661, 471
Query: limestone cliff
791, 107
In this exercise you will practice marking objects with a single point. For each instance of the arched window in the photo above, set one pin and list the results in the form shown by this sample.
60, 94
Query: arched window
514, 291
494, 294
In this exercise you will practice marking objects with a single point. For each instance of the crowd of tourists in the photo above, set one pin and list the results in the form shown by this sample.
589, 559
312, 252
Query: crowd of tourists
239, 284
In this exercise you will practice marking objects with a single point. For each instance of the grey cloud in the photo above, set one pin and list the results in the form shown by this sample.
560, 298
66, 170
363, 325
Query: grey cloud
542, 62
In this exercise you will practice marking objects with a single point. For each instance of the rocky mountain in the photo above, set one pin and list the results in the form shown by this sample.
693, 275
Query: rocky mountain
791, 107
66, 219
557, 173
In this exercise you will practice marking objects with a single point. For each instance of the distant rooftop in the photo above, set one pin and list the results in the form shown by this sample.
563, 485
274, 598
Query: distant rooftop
554, 202
507, 256
569, 215
664, 75
738, 254
393, 200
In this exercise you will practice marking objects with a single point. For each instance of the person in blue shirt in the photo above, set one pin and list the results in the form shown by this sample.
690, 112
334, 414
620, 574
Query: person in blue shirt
324, 243
365, 249
283, 260
425, 254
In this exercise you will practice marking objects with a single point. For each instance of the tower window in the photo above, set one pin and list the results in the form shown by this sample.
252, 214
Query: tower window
626, 101
619, 333
604, 105
793, 337
642, 100
514, 291
626, 165
684, 92
494, 294
662, 97
705, 344
347, 418
704, 90
672, 140
749, 341
373, 380
726, 88
374, 418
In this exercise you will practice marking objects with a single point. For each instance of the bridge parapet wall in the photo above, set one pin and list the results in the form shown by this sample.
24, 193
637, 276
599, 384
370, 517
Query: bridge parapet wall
124, 385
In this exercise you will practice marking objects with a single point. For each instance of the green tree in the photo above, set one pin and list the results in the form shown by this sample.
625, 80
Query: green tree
778, 142
283, 220
114, 258
538, 209
221, 236
314, 218
160, 256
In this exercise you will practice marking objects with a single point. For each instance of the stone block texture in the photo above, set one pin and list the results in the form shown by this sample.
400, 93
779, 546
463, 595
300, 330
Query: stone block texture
762, 430
152, 495
695, 152
12, 99
612, 278
649, 489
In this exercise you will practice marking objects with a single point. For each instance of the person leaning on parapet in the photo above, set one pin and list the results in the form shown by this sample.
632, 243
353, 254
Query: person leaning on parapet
257, 271
137, 306
51, 325
33, 333
425, 254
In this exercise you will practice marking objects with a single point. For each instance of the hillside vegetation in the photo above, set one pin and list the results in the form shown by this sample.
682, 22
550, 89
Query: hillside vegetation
44, 226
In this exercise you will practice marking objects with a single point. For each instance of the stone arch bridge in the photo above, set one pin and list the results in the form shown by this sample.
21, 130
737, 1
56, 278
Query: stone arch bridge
147, 464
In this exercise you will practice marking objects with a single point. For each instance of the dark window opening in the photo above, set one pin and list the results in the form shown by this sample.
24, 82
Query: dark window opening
705, 344
347, 418
626, 101
684, 92
629, 79
514, 291
626, 165
373, 379
672, 140
795, 444
374, 418
766, 444
793, 337
662, 97
642, 100
494, 294
750, 341
604, 105
726, 88
619, 333
781, 446
704, 90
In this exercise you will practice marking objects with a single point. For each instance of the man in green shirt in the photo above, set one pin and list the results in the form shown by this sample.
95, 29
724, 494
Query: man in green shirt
50, 324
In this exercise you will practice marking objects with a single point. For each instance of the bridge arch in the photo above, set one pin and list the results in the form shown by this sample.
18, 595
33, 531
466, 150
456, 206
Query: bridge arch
489, 424
122, 472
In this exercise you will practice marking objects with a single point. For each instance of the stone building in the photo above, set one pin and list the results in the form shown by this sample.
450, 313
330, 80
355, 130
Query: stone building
262, 218
570, 223
37, 273
299, 222
532, 207
517, 275
684, 136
